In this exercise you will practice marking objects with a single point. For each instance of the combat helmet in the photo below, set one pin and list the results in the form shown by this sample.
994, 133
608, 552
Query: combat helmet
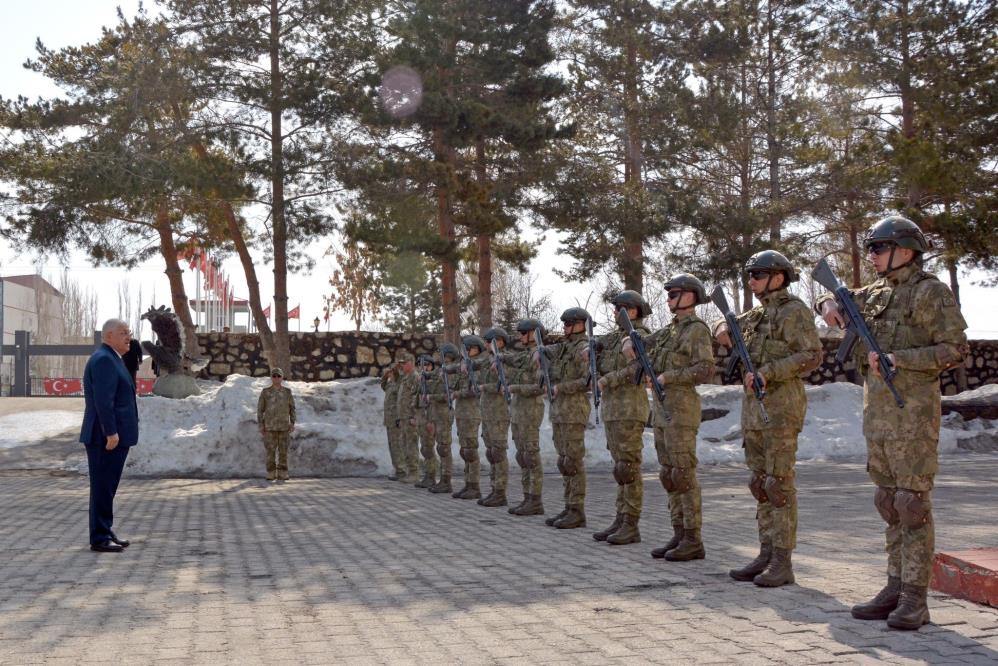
473, 341
448, 349
575, 314
687, 282
631, 298
528, 326
494, 333
772, 261
427, 358
898, 230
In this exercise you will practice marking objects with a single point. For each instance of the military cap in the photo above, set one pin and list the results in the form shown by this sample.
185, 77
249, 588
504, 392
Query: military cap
631, 298
687, 282
575, 314
772, 261
277, 372
898, 230
402, 355
473, 341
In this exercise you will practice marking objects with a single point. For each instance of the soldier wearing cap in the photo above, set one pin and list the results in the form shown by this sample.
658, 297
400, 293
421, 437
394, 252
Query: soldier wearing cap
390, 385
407, 399
917, 321
495, 420
441, 414
468, 417
275, 413
526, 413
625, 411
783, 343
569, 414
683, 356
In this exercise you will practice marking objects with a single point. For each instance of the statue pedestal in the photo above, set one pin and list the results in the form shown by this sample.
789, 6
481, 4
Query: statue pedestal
175, 385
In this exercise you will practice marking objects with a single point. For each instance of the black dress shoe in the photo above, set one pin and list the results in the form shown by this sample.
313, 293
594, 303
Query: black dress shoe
124, 543
106, 547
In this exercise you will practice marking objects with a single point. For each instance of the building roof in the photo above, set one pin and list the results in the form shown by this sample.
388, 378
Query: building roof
34, 282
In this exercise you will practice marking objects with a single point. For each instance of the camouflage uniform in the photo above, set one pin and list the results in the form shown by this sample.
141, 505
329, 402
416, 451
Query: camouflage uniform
407, 395
624, 410
915, 317
390, 385
441, 416
783, 343
275, 412
526, 413
469, 421
682, 353
424, 430
495, 425
569, 415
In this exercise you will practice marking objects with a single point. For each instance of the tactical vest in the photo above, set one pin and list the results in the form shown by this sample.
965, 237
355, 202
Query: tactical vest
889, 309
758, 329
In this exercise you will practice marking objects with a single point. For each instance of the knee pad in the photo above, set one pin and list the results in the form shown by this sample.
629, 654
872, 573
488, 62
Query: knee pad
625, 472
427, 450
665, 476
520, 460
756, 487
567, 466
883, 499
469, 455
494, 455
531, 459
912, 506
682, 478
774, 491
443, 450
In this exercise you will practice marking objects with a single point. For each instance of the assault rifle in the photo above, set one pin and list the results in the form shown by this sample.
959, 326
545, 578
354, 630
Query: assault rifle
740, 352
638, 345
545, 365
469, 366
503, 386
450, 396
856, 327
593, 373
424, 389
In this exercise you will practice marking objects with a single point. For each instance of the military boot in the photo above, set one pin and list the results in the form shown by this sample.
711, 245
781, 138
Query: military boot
395, 476
513, 509
881, 605
778, 572
425, 482
690, 547
677, 535
912, 611
574, 517
487, 498
756, 566
497, 498
602, 536
628, 532
532, 506
553, 519
441, 486
470, 491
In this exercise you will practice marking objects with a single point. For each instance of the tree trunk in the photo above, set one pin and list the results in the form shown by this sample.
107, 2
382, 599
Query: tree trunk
632, 264
772, 142
484, 248
178, 294
445, 227
282, 342
854, 256
905, 91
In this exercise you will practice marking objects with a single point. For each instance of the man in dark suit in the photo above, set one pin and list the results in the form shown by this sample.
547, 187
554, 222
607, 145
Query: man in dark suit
110, 428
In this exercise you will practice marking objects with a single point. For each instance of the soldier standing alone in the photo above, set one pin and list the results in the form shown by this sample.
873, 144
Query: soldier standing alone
783, 344
275, 413
916, 319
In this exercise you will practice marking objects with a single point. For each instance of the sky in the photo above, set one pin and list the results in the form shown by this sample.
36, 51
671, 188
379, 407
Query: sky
71, 22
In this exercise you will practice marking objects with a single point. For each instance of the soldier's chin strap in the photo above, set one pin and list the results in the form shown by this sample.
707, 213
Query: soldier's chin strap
890, 262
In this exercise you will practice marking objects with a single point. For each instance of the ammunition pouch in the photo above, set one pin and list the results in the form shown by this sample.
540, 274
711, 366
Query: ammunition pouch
774, 491
756, 488
883, 499
913, 507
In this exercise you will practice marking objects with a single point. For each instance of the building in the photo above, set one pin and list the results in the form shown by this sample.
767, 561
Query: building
31, 303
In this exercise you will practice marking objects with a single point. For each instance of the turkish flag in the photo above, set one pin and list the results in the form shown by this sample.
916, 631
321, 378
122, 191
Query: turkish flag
295, 313
60, 386
144, 386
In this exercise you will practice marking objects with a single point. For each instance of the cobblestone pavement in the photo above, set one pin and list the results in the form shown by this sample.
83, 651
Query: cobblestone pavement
370, 571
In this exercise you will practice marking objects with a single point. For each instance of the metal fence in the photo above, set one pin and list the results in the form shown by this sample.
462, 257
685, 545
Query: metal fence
23, 384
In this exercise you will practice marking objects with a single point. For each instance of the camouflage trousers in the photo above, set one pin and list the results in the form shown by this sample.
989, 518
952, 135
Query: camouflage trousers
570, 443
676, 447
443, 439
772, 457
624, 439
467, 438
427, 448
409, 450
906, 465
496, 452
526, 438
275, 443
395, 449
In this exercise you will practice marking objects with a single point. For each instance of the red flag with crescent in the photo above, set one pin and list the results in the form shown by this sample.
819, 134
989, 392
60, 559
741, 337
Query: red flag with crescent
295, 313
61, 386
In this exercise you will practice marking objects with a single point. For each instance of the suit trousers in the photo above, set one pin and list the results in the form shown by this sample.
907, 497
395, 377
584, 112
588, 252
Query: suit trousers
105, 469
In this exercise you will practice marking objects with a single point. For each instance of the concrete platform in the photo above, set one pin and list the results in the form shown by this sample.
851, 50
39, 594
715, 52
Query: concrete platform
968, 574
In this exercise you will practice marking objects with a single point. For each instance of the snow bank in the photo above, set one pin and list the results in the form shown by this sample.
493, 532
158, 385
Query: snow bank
32, 427
340, 433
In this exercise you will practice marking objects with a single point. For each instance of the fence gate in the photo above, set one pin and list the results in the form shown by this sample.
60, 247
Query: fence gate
22, 351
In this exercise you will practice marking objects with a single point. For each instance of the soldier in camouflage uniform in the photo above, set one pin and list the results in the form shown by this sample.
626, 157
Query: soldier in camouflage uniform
917, 321
783, 344
683, 355
526, 413
495, 421
625, 411
468, 416
275, 412
390, 385
424, 424
569, 415
407, 396
441, 413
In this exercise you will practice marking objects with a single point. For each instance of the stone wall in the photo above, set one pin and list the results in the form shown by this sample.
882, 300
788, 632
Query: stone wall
325, 356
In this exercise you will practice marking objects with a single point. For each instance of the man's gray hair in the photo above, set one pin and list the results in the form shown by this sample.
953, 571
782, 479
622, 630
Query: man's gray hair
111, 325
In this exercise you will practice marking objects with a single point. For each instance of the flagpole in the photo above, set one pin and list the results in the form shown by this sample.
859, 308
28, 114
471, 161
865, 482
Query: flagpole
197, 291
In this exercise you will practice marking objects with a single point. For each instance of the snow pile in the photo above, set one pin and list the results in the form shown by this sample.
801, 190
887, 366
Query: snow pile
340, 433
32, 427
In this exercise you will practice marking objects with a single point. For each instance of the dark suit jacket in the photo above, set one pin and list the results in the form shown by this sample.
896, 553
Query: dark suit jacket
109, 399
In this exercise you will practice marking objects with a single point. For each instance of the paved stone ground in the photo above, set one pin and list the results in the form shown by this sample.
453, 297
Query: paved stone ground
369, 571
